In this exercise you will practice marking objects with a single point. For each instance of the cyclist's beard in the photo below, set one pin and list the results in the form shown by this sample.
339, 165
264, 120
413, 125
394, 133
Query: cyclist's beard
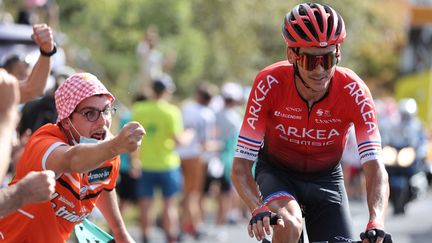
297, 73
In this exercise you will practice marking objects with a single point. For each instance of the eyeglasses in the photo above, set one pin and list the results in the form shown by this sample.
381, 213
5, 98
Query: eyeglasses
92, 114
310, 62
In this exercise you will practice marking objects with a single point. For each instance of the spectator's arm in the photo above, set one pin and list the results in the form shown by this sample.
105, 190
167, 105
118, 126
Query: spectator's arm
36, 82
9, 96
107, 203
36, 186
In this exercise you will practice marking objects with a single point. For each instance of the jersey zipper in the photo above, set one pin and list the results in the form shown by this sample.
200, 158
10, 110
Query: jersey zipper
309, 109
306, 161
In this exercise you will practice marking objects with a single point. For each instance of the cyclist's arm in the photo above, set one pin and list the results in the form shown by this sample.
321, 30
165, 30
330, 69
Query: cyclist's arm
107, 204
377, 189
364, 118
244, 182
251, 137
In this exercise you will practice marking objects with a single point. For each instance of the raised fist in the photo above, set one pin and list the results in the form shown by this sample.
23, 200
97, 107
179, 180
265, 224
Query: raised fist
37, 186
130, 137
43, 36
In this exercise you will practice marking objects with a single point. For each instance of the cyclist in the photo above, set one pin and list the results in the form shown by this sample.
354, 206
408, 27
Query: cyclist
295, 127
85, 173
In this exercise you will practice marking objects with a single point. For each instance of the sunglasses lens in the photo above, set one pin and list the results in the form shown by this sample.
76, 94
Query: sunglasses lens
329, 60
310, 62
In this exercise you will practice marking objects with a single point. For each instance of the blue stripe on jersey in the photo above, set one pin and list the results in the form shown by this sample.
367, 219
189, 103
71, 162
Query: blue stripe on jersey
373, 142
257, 143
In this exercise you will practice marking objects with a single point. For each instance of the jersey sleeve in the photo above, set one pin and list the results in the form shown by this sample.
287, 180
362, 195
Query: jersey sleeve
251, 136
37, 150
365, 121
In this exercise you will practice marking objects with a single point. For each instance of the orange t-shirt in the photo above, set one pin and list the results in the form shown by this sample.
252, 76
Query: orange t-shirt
74, 198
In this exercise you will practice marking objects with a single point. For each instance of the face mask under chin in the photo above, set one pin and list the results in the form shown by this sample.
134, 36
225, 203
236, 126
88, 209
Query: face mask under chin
86, 140
82, 139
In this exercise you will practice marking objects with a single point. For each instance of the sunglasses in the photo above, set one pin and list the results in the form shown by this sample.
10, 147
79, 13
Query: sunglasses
93, 115
310, 62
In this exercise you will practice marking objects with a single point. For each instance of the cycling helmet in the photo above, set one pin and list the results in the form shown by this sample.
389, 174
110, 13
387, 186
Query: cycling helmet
313, 25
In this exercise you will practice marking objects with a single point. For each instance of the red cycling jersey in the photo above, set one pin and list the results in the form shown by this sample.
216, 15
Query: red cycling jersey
294, 136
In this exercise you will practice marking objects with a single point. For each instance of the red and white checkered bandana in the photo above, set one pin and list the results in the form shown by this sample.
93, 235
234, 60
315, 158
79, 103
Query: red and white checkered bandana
75, 89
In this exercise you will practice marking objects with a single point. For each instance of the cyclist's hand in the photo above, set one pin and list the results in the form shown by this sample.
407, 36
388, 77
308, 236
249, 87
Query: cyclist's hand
375, 236
262, 219
129, 137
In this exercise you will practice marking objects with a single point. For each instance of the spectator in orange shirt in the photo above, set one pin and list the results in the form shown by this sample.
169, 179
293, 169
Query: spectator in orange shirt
85, 173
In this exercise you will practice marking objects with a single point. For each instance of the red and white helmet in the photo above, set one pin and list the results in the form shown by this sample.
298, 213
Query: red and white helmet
313, 25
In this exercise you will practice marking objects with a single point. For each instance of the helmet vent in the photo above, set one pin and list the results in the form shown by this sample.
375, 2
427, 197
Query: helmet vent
320, 23
300, 31
330, 25
339, 26
287, 34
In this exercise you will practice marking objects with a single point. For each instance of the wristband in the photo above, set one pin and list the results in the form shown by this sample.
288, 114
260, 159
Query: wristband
374, 225
48, 54
260, 209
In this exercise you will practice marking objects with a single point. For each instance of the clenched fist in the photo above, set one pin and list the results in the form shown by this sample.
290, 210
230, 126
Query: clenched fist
43, 36
129, 137
37, 186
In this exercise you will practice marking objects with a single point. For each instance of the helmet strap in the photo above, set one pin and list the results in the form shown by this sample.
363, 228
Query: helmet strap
338, 54
297, 73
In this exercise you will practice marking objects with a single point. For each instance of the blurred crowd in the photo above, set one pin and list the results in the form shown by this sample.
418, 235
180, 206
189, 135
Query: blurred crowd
187, 154
185, 159
400, 128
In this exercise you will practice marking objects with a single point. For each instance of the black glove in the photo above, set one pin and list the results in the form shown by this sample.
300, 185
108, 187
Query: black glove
372, 235
262, 212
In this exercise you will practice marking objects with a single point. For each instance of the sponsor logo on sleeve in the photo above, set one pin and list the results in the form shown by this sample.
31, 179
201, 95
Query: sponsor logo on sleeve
99, 174
365, 104
258, 96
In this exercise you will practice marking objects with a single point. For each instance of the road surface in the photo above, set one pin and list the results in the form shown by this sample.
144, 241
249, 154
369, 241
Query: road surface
413, 227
